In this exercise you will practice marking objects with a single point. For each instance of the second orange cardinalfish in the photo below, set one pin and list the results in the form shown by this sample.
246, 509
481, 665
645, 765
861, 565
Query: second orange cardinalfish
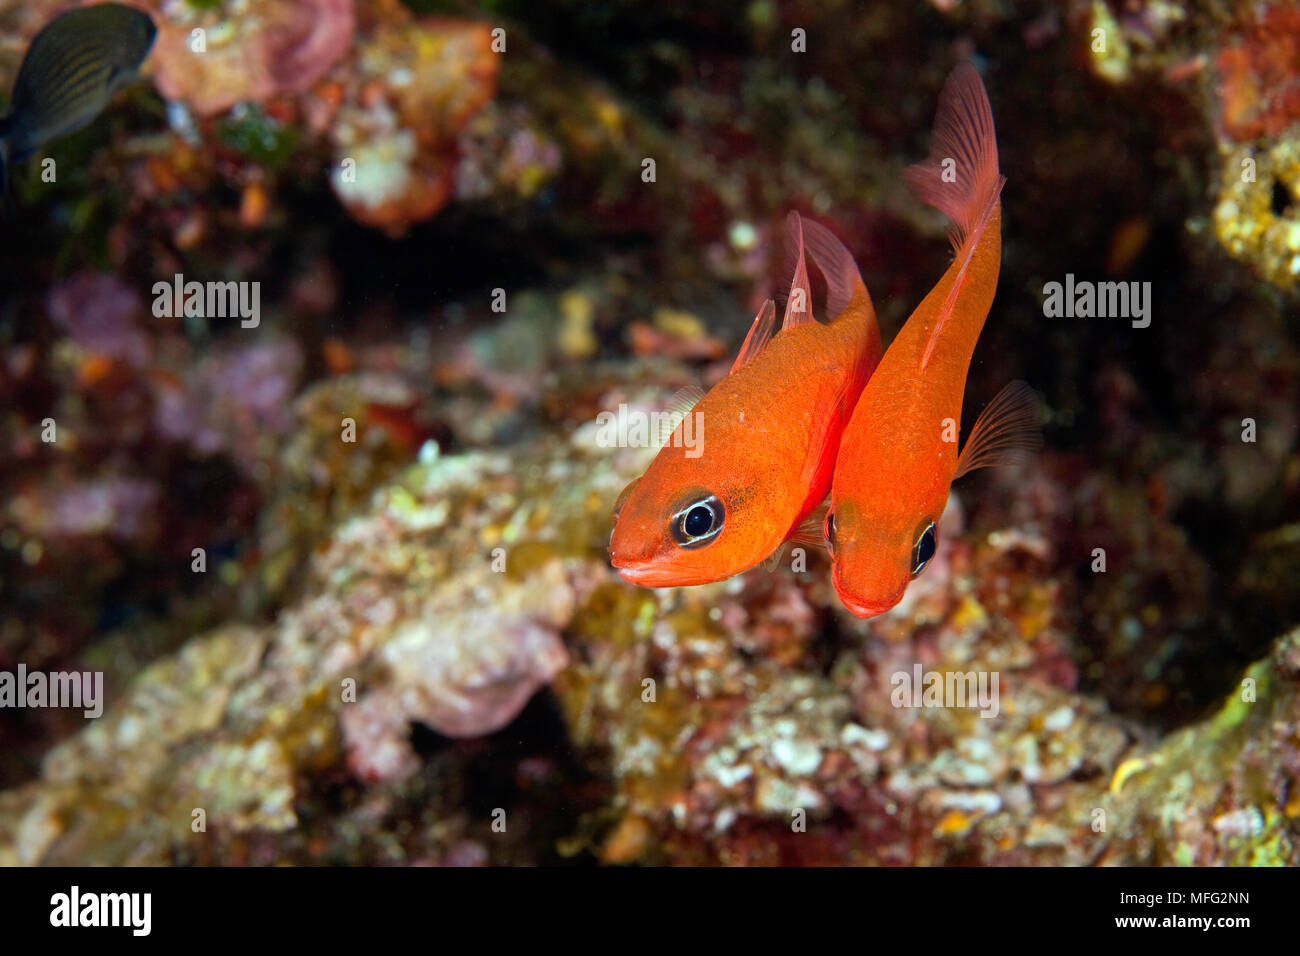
770, 431
898, 455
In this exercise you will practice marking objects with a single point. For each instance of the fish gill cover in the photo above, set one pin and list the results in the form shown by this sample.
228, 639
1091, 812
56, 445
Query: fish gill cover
330, 340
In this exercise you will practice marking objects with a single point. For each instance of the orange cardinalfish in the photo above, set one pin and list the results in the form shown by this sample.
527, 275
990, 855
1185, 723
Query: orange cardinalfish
898, 455
770, 432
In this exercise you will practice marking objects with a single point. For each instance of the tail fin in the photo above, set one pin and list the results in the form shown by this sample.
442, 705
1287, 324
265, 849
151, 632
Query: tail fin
960, 177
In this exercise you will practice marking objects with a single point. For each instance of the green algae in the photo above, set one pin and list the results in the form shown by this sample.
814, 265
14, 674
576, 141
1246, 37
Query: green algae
255, 135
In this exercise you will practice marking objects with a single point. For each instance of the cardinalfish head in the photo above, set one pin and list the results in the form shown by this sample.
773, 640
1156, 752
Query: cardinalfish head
876, 556
676, 525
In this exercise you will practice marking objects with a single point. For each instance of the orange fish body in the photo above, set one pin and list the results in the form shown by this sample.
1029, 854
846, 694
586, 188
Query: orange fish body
770, 433
898, 455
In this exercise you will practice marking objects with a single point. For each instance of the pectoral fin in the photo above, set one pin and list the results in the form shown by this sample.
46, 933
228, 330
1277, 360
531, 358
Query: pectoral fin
1007, 431
811, 531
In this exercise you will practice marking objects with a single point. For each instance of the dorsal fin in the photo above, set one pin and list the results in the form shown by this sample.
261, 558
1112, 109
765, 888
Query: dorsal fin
1006, 433
798, 308
760, 333
960, 177
835, 262
678, 407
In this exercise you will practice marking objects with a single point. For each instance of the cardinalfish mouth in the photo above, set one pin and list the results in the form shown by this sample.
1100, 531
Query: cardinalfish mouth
863, 608
641, 574
866, 610
645, 572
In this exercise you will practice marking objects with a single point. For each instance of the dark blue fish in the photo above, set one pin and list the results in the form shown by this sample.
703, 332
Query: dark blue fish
71, 70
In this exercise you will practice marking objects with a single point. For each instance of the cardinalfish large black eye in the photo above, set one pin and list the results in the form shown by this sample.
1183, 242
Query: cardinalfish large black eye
698, 522
923, 550
69, 73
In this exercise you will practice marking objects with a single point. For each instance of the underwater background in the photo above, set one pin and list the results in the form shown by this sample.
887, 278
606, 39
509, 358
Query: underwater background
341, 558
